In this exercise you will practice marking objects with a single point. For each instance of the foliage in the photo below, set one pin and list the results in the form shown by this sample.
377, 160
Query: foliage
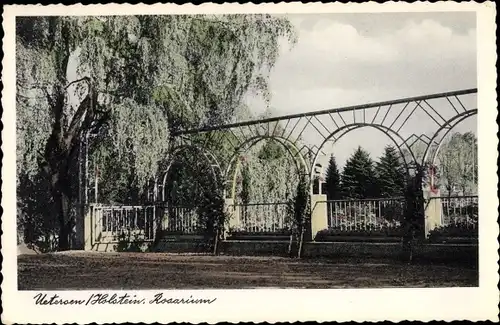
453, 230
461, 213
129, 153
128, 242
299, 211
127, 80
36, 226
236, 231
214, 219
382, 231
332, 180
245, 194
190, 179
271, 150
390, 173
414, 215
458, 163
358, 179
417, 150
263, 169
302, 204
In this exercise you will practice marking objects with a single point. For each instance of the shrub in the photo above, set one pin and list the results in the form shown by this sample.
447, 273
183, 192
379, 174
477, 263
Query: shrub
460, 229
381, 231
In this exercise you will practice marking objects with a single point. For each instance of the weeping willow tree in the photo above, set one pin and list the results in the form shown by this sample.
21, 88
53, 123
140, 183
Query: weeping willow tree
126, 82
267, 175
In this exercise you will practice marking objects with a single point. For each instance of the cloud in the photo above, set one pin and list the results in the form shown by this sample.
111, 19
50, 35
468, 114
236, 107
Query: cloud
423, 55
427, 30
429, 40
343, 60
340, 42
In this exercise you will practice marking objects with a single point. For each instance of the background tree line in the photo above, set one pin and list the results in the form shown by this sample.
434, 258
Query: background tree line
362, 177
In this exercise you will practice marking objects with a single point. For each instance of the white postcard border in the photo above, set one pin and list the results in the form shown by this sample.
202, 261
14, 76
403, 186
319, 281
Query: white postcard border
271, 305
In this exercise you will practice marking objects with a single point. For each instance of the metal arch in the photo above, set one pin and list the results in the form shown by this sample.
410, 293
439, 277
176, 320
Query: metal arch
354, 126
253, 141
397, 145
449, 124
214, 164
327, 111
256, 139
290, 146
381, 128
259, 139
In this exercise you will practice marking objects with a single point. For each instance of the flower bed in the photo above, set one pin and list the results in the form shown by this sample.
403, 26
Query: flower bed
258, 235
380, 234
179, 234
459, 232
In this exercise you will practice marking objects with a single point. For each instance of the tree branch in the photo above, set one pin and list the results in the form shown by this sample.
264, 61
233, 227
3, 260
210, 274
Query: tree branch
87, 79
21, 96
76, 121
100, 122
49, 99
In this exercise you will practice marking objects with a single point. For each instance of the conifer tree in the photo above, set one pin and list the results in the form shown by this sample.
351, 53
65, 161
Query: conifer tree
332, 181
358, 179
390, 173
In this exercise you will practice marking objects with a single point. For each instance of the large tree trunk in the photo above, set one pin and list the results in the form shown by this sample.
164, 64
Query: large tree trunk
61, 192
290, 243
216, 243
62, 202
414, 214
60, 152
301, 241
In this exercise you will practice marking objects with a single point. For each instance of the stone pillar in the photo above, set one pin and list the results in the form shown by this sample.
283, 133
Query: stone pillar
433, 211
319, 215
88, 220
232, 211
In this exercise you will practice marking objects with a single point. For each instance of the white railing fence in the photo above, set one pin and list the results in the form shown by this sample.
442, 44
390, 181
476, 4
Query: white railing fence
458, 211
259, 217
181, 219
112, 223
369, 214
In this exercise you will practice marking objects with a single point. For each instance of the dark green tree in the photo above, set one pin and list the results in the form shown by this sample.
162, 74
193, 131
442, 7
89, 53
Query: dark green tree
414, 214
358, 181
332, 181
245, 193
316, 185
390, 173
299, 209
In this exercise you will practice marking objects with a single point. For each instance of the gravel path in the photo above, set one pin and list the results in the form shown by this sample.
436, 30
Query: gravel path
84, 270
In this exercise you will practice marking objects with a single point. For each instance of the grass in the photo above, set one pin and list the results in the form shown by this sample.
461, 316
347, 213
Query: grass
84, 270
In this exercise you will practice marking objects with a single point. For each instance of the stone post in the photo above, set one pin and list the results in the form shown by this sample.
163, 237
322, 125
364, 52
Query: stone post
232, 211
433, 211
319, 215
86, 234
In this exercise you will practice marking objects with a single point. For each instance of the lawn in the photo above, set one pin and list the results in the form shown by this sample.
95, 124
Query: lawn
86, 270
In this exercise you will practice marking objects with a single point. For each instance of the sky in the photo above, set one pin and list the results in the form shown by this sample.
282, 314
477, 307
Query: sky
348, 59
